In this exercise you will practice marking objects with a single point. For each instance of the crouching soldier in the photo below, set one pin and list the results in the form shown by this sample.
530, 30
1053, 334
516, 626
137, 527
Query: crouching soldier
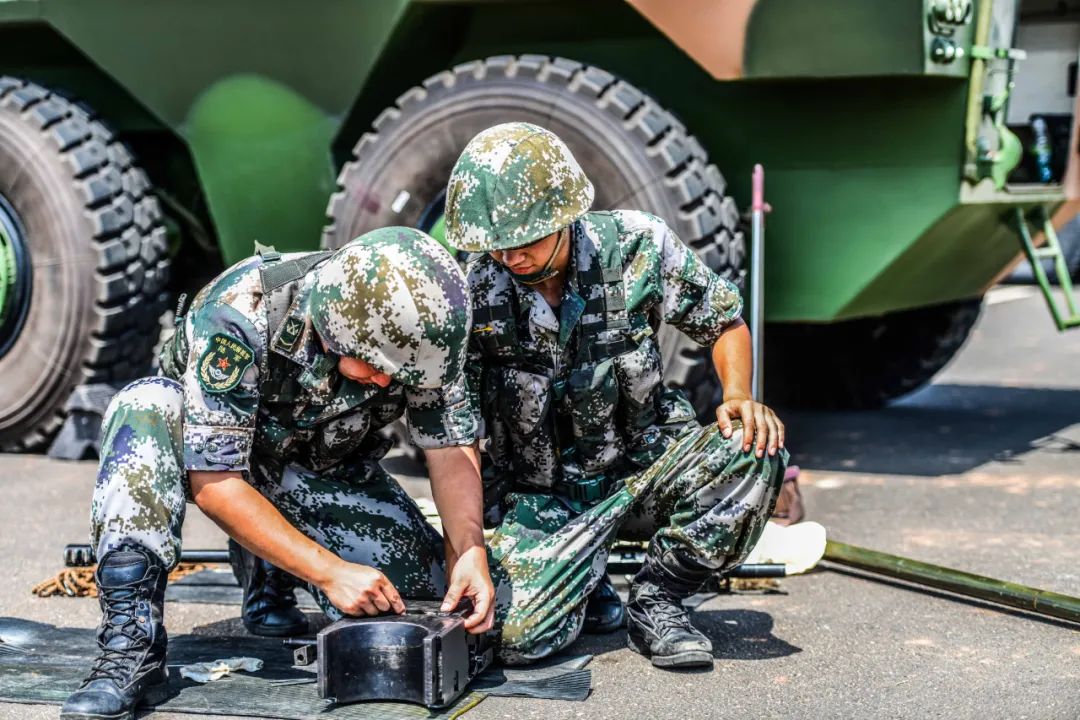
584, 442
273, 388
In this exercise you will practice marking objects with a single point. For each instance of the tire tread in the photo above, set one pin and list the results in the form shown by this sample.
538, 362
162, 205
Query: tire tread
127, 237
707, 221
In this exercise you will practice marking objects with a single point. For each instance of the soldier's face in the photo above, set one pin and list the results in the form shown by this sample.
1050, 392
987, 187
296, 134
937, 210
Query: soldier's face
358, 370
362, 372
530, 258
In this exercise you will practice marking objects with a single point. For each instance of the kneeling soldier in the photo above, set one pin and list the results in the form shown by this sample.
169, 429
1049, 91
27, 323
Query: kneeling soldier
273, 388
584, 442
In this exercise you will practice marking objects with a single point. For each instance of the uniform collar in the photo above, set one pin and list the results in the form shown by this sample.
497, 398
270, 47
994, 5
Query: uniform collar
296, 340
539, 312
295, 337
584, 250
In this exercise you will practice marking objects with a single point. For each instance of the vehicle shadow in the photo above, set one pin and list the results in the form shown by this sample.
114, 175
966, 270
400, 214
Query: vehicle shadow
939, 430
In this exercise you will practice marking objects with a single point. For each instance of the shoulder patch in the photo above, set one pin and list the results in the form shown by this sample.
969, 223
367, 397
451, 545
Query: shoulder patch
223, 364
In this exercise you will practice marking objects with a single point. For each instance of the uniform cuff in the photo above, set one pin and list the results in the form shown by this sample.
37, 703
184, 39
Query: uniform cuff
216, 448
449, 427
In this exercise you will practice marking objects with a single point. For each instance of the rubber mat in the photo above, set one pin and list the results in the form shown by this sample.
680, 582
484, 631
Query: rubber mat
41, 663
557, 679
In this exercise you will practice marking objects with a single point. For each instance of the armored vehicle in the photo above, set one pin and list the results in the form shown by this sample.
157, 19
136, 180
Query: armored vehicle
138, 136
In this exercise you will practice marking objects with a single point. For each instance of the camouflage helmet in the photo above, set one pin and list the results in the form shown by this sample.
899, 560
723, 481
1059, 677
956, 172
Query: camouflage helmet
513, 184
394, 298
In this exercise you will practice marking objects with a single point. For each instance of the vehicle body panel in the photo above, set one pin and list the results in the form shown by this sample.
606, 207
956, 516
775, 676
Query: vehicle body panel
864, 139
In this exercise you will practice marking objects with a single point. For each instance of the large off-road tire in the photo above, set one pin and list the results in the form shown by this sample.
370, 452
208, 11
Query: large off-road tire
87, 252
638, 156
861, 364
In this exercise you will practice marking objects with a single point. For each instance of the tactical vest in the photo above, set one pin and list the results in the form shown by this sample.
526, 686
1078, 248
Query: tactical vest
579, 428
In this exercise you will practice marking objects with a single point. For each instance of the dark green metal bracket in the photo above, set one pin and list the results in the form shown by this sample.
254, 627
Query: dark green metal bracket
998, 163
1050, 251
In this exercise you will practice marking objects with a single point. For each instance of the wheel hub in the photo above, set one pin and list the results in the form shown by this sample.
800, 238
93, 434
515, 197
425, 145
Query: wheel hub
14, 276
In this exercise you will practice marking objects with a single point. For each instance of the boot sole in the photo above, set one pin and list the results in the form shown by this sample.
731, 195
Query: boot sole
690, 658
693, 658
154, 694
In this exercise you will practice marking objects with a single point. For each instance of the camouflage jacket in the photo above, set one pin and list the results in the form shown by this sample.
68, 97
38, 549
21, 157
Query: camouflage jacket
574, 397
250, 389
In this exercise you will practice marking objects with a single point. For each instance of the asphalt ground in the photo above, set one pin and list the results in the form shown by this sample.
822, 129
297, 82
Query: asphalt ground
978, 471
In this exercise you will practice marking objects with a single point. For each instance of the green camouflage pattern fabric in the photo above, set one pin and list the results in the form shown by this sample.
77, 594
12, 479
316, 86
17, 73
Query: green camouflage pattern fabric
687, 486
396, 299
552, 411
557, 410
268, 402
142, 489
703, 494
513, 184
290, 403
545, 558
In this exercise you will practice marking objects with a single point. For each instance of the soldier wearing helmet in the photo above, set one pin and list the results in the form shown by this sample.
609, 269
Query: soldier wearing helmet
265, 416
584, 442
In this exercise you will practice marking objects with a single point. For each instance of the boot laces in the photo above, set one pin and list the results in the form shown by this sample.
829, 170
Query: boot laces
114, 663
666, 612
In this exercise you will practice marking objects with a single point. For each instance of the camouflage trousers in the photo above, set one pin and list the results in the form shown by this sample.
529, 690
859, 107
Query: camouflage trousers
703, 495
142, 491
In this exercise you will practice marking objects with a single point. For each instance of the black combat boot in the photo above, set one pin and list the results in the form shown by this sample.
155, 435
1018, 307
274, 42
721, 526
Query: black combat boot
604, 612
269, 606
131, 667
658, 624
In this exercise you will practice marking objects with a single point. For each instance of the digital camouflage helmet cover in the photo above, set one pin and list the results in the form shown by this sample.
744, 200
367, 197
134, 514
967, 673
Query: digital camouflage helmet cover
513, 184
396, 299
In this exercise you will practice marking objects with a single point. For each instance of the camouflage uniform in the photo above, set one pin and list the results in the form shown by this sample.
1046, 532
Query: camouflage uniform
584, 442
248, 389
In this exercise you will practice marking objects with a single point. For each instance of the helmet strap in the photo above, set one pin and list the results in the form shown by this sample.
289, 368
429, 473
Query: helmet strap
546, 272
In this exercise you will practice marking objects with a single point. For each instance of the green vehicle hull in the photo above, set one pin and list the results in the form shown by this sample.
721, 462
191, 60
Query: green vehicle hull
875, 121
865, 176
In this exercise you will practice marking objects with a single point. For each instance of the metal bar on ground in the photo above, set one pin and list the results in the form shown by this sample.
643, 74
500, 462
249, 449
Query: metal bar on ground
621, 561
83, 556
627, 558
1043, 602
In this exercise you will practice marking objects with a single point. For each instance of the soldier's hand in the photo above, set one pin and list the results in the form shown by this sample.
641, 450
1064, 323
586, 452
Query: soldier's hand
361, 590
470, 578
761, 428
